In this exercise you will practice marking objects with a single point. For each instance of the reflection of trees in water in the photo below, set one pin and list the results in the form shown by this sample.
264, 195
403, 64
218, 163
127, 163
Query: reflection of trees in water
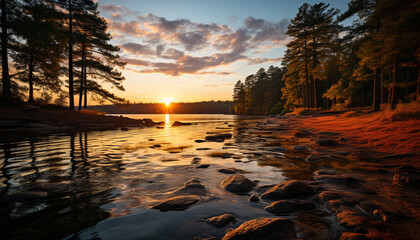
77, 187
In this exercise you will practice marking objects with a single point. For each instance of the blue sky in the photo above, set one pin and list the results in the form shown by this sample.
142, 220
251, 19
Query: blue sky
196, 50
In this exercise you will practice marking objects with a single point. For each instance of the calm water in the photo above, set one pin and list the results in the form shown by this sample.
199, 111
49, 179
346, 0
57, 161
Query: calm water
170, 118
101, 184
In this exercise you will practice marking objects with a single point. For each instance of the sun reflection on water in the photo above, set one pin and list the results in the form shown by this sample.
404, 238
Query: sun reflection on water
167, 120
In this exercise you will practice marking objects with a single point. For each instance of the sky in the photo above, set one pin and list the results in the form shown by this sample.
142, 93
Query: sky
194, 50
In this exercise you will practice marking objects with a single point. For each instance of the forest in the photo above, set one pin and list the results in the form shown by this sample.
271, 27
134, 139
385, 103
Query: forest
59, 49
328, 65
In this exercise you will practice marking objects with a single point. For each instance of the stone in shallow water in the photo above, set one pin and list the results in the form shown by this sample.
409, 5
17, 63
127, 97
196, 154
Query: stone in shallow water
289, 206
203, 166
199, 141
288, 189
222, 220
254, 198
177, 203
230, 170
299, 147
277, 149
219, 137
193, 187
326, 142
237, 184
263, 228
314, 157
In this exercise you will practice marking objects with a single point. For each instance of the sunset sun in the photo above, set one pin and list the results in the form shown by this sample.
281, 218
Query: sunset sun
167, 101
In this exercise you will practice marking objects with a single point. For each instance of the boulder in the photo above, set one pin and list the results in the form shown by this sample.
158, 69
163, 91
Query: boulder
222, 220
289, 206
193, 186
289, 189
177, 203
218, 137
237, 184
263, 228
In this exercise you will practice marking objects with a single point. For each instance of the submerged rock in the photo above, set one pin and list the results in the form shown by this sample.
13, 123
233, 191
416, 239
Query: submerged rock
222, 220
203, 166
177, 123
177, 203
218, 137
230, 170
237, 184
199, 141
289, 206
288, 189
277, 149
263, 228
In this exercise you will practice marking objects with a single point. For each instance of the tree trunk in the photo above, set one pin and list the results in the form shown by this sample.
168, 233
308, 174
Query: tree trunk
30, 79
407, 79
308, 98
4, 55
85, 86
382, 87
315, 94
418, 84
71, 94
363, 93
395, 80
82, 75
376, 93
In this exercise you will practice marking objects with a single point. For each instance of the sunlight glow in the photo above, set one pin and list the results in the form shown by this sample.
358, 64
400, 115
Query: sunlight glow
167, 101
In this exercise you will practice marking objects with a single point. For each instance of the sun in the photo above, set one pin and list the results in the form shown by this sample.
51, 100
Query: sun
167, 101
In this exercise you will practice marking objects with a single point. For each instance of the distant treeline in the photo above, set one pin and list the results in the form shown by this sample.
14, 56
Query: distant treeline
210, 107
329, 65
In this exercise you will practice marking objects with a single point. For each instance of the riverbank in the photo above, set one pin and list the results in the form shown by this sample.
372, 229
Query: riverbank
28, 120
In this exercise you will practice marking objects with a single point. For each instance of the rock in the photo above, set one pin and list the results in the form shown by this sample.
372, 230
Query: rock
277, 149
299, 147
194, 187
124, 129
254, 198
222, 220
230, 170
196, 160
200, 141
326, 142
219, 137
203, 166
288, 189
157, 145
148, 121
237, 184
177, 203
289, 206
301, 133
314, 157
336, 179
263, 228
177, 123
407, 177
203, 149
353, 236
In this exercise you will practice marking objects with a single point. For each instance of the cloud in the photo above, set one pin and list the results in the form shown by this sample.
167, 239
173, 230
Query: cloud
172, 47
111, 8
252, 61
217, 85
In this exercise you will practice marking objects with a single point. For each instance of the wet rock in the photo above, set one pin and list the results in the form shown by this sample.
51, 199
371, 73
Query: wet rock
337, 179
334, 200
289, 189
222, 220
277, 149
263, 228
203, 149
407, 176
354, 219
219, 137
299, 147
353, 236
199, 141
193, 187
314, 157
226, 155
289, 206
196, 160
237, 184
230, 170
254, 198
148, 121
157, 145
326, 142
203, 166
177, 203
177, 123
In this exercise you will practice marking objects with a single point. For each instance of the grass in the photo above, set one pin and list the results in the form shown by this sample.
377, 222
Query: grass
403, 111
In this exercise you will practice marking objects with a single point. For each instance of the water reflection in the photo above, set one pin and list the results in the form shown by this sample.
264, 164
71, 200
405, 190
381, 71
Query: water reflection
167, 120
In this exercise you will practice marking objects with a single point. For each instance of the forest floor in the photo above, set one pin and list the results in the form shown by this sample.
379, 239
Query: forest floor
28, 120
390, 136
